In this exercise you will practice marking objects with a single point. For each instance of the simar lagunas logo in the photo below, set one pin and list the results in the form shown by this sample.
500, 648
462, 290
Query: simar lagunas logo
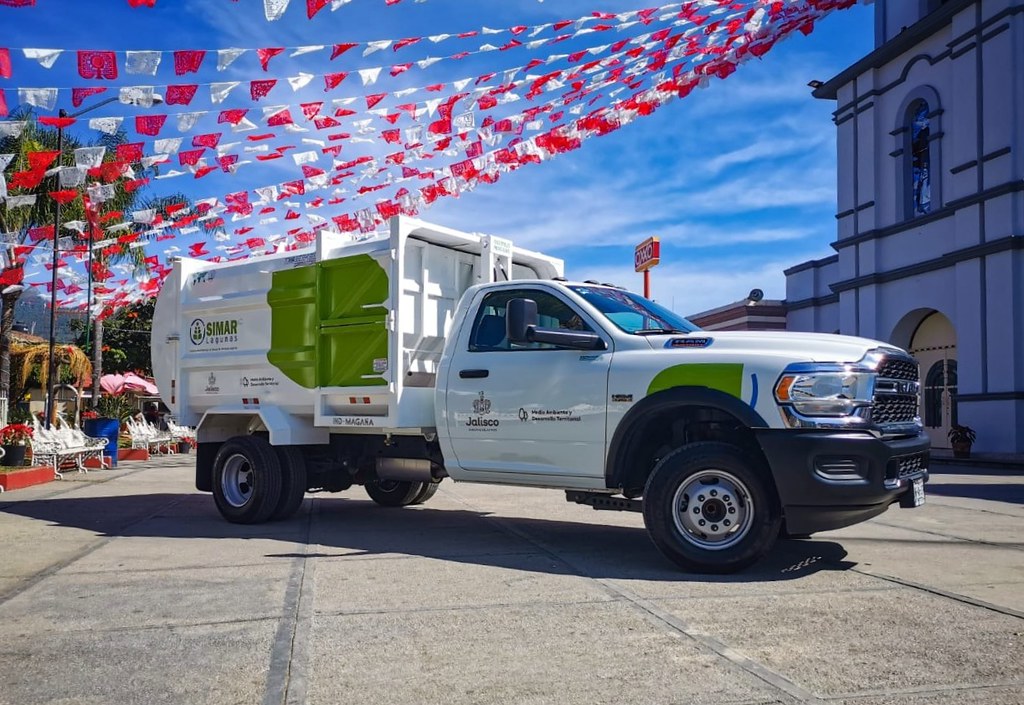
202, 332
482, 407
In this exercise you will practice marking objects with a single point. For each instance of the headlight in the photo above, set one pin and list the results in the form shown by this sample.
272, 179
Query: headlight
825, 393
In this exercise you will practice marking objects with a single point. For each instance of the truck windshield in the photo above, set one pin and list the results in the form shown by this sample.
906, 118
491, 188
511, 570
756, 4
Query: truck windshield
633, 313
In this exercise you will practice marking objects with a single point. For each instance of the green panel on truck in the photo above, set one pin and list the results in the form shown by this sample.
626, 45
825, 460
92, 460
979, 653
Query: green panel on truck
353, 322
725, 377
329, 323
294, 324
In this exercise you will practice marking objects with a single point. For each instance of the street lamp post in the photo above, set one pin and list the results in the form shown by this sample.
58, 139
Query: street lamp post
52, 362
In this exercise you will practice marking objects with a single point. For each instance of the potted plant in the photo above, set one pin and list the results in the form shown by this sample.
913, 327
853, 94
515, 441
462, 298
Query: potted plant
961, 438
15, 439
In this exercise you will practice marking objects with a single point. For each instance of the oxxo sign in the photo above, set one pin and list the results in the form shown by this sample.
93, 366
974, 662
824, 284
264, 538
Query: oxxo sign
646, 255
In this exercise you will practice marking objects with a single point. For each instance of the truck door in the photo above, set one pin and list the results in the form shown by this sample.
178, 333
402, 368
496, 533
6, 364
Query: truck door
532, 411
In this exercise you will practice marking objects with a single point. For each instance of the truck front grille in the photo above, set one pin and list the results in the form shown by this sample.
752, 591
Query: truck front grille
898, 368
906, 466
895, 407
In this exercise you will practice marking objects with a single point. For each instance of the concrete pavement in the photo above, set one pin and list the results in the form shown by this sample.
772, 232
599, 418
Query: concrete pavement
126, 586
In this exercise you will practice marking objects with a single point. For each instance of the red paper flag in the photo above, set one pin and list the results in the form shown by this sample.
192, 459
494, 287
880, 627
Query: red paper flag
41, 160
233, 116
3, 103
372, 100
210, 140
340, 49
188, 61
80, 94
149, 124
260, 89
266, 54
5, 63
101, 65
182, 94
53, 121
405, 43
64, 196
129, 152
314, 6
333, 80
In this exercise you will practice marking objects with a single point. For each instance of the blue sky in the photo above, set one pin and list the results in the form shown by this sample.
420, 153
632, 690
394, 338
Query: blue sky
738, 178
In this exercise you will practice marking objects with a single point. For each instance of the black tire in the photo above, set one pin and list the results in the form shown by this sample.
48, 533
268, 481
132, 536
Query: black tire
247, 480
710, 508
390, 493
429, 490
293, 482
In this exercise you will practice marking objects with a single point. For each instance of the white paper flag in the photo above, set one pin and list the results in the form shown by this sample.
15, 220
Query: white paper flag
71, 177
186, 121
142, 62
379, 45
89, 157
220, 91
45, 98
141, 96
107, 125
274, 9
169, 145
369, 76
226, 57
300, 81
11, 129
45, 57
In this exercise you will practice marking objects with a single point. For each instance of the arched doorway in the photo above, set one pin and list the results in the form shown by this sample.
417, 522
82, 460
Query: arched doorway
934, 346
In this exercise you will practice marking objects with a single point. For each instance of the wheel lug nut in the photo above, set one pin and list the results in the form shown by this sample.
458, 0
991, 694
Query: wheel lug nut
700, 498
726, 498
732, 510
696, 510
702, 522
727, 522
714, 493
714, 527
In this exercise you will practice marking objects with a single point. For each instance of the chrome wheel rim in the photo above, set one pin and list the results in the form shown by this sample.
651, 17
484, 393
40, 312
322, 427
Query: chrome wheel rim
713, 510
237, 480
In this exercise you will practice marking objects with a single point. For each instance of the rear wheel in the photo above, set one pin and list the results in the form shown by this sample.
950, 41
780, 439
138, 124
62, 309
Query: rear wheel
709, 509
429, 490
392, 493
246, 480
293, 482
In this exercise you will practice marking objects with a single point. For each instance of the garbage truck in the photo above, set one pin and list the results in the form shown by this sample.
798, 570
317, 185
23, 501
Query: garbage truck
424, 353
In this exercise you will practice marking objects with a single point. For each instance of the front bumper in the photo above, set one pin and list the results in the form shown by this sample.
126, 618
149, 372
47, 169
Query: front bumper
831, 479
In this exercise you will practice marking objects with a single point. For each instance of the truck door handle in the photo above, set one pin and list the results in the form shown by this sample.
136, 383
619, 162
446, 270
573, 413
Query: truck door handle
473, 374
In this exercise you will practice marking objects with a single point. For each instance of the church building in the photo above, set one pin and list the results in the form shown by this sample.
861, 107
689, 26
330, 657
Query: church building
930, 218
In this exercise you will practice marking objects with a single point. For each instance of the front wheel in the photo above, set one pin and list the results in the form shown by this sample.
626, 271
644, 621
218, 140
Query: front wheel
246, 480
708, 508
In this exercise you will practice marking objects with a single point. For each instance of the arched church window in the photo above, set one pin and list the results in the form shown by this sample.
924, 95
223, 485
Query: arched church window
920, 158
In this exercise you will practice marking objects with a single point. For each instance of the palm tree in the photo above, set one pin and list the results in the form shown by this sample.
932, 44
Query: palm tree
17, 223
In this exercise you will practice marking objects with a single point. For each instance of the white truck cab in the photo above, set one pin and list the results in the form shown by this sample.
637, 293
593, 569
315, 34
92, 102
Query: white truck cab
395, 363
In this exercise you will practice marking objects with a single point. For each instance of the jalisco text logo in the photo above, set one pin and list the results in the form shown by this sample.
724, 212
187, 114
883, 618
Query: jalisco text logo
213, 332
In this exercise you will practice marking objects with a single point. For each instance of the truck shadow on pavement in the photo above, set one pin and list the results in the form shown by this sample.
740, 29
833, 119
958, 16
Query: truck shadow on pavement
341, 529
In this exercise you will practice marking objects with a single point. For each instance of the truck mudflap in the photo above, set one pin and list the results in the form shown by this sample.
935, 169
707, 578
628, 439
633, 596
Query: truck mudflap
828, 480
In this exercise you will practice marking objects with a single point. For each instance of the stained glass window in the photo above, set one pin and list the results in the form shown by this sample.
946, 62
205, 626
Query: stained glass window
920, 161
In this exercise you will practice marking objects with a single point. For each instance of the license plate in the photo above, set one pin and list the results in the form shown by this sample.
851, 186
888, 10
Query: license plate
918, 492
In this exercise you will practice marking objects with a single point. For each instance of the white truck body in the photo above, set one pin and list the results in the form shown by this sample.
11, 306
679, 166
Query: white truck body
397, 361
211, 331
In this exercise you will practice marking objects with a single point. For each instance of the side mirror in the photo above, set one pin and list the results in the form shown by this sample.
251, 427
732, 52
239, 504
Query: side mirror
520, 317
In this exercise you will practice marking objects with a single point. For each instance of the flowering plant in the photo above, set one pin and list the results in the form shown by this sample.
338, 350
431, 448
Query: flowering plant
17, 434
90, 414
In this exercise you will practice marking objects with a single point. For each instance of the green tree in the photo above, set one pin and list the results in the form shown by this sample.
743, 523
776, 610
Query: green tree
126, 346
